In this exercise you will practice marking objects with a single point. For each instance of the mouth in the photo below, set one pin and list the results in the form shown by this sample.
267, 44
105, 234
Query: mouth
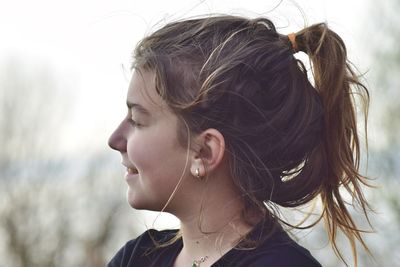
132, 170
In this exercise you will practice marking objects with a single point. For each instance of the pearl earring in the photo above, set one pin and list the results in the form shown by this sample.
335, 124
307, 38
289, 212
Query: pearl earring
196, 169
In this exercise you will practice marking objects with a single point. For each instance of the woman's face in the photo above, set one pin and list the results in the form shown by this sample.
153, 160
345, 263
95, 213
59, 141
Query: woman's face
147, 141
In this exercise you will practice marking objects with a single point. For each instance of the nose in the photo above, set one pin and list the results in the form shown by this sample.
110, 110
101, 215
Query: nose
117, 140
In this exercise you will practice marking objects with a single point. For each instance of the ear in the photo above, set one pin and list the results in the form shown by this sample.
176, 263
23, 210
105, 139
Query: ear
210, 150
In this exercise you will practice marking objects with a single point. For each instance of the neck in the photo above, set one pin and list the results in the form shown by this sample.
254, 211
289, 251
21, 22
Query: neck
211, 234
211, 221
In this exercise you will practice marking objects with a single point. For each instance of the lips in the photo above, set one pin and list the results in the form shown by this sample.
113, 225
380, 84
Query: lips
132, 170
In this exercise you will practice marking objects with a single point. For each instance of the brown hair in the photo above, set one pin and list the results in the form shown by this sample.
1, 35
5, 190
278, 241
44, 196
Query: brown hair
288, 141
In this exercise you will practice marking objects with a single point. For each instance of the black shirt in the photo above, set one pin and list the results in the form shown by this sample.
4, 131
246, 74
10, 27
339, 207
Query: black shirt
279, 250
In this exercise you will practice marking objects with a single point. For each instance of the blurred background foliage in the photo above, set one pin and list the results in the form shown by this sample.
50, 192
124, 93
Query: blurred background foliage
68, 209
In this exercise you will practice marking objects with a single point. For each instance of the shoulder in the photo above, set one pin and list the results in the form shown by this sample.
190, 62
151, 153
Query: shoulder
279, 250
288, 254
282, 251
140, 246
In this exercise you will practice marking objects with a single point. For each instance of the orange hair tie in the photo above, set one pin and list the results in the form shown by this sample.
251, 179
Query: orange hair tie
292, 39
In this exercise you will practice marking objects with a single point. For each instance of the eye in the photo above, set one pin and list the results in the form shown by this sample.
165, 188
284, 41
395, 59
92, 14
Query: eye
130, 119
134, 123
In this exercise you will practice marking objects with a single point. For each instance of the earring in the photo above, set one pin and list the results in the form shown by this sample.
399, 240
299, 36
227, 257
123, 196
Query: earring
197, 174
196, 169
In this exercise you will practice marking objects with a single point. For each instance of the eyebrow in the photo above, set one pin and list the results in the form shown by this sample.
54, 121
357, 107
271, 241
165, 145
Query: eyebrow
138, 107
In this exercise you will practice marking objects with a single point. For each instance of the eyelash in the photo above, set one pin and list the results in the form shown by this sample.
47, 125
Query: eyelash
134, 123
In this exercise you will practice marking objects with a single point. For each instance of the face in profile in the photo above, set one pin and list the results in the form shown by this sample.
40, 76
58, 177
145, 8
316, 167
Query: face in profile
147, 141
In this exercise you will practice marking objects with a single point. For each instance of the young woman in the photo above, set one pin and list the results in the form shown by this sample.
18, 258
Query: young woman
223, 127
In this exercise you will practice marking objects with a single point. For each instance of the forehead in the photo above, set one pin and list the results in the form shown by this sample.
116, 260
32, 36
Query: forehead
142, 91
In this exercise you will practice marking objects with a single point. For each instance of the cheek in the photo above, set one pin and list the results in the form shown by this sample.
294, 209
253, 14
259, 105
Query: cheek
154, 151
142, 150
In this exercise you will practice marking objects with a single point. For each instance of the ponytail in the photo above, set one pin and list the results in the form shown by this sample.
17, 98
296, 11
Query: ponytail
337, 84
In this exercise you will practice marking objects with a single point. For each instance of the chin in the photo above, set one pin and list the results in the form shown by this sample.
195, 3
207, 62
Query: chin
140, 203
133, 201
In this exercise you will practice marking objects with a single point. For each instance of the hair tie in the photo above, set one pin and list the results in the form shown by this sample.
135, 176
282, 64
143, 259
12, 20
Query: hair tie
292, 39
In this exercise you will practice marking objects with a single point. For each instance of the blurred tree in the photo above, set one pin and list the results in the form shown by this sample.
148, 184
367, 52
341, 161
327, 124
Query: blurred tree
383, 40
29, 113
382, 34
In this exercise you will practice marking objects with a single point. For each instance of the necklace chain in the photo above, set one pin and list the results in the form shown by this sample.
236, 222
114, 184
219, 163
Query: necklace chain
196, 263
